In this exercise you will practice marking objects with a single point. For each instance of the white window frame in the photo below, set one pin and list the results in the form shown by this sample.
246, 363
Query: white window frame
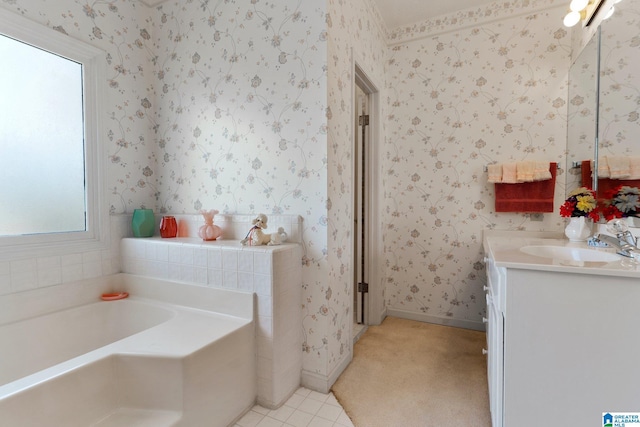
93, 68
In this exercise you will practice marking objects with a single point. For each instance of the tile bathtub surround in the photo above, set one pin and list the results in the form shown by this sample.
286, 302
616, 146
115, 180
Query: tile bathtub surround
273, 273
19, 275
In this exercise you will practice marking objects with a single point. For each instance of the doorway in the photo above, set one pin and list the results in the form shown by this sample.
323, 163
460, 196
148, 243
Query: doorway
362, 155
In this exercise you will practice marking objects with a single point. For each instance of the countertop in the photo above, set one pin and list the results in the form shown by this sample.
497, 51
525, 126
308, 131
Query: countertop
504, 248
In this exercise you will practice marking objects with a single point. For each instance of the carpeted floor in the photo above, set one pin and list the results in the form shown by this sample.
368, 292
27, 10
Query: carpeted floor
412, 374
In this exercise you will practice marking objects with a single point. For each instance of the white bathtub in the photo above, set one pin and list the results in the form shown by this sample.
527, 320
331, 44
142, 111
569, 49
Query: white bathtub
169, 355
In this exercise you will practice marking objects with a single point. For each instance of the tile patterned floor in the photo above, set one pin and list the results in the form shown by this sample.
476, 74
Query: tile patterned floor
306, 408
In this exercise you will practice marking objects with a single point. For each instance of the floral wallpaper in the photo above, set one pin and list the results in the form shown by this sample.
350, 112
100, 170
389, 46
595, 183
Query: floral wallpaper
245, 107
619, 82
216, 105
488, 93
355, 28
475, 16
240, 126
581, 112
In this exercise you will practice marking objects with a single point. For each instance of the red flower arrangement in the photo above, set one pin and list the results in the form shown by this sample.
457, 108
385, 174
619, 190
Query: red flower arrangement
581, 202
622, 201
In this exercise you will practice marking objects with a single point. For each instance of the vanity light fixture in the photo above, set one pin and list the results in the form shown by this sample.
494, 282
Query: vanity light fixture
572, 18
582, 10
578, 5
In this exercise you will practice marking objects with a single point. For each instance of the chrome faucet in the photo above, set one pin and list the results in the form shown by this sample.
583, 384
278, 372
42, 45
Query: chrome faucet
624, 248
624, 241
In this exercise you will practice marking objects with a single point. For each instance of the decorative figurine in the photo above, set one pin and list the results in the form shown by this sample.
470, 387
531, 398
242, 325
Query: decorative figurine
256, 237
209, 231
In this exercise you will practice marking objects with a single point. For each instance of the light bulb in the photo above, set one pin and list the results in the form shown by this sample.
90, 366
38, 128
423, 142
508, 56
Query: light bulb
608, 15
571, 19
578, 5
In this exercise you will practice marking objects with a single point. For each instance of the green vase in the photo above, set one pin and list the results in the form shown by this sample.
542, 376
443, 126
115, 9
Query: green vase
143, 223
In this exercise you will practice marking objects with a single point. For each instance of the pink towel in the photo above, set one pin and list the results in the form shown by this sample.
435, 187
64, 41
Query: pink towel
525, 171
634, 167
541, 171
619, 167
509, 173
603, 167
495, 173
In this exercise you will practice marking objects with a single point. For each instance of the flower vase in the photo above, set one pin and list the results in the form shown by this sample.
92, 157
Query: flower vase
578, 229
143, 223
209, 231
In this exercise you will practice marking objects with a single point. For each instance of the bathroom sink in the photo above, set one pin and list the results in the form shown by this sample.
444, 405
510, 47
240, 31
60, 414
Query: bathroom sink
566, 253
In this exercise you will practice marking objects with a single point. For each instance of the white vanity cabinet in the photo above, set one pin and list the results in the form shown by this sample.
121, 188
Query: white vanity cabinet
495, 341
563, 340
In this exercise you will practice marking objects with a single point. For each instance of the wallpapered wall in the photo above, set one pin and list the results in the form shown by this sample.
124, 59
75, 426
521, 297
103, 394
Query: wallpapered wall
492, 91
245, 106
355, 29
240, 124
215, 104
581, 112
619, 82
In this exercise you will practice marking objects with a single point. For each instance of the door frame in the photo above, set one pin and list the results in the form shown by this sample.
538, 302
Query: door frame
374, 311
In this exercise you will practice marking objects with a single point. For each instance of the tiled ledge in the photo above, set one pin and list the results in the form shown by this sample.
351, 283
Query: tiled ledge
220, 263
273, 273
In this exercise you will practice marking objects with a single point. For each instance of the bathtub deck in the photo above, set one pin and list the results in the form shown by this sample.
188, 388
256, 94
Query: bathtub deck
188, 331
194, 367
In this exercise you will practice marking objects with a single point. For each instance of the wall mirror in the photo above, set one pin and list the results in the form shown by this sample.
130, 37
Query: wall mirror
582, 112
604, 97
618, 120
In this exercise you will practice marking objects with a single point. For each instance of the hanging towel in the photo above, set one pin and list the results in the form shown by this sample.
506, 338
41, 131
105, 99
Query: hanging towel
495, 173
619, 167
634, 167
603, 168
509, 173
605, 185
527, 196
525, 171
585, 172
541, 171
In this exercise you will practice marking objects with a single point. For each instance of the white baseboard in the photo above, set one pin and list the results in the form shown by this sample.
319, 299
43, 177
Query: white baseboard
379, 318
427, 318
321, 383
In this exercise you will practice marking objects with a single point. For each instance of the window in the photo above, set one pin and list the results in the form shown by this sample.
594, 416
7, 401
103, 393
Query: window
42, 142
50, 176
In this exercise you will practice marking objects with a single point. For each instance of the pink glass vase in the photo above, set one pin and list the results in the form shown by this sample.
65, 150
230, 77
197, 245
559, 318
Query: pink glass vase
209, 231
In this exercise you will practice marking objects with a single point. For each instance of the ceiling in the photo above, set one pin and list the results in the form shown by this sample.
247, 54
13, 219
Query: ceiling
397, 13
